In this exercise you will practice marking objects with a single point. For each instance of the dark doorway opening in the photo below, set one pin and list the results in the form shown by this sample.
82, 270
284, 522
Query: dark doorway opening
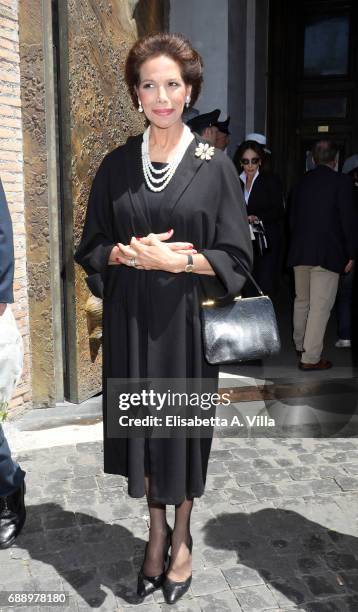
60, 195
313, 81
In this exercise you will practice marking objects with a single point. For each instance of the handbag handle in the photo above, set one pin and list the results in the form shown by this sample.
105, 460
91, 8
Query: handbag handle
248, 274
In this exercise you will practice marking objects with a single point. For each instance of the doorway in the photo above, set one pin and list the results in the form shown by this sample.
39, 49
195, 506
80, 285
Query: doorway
313, 81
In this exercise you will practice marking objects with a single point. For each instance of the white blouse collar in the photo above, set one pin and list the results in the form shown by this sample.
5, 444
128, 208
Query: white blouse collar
243, 177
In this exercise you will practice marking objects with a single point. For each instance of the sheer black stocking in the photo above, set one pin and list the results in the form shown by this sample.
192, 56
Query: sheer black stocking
154, 558
180, 562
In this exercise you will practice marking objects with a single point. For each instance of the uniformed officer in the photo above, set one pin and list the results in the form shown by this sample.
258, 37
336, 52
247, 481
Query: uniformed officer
223, 134
205, 125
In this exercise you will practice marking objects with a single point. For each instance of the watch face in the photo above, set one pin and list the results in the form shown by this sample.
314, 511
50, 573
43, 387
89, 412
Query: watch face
189, 268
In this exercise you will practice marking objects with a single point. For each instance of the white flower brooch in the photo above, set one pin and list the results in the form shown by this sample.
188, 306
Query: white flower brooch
204, 151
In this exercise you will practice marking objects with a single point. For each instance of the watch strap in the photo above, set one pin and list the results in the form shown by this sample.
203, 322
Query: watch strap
190, 265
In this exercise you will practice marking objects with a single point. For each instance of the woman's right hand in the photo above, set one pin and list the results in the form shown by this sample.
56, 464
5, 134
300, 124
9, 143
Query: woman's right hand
118, 253
121, 253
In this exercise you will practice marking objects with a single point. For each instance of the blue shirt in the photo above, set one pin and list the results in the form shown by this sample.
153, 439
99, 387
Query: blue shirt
6, 251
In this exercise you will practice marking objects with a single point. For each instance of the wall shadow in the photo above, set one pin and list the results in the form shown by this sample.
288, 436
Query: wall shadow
310, 565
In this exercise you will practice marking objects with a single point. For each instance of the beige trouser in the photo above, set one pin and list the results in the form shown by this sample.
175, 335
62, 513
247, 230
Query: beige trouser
11, 354
316, 290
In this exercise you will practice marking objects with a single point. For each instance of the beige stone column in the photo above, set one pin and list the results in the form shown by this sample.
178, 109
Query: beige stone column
42, 205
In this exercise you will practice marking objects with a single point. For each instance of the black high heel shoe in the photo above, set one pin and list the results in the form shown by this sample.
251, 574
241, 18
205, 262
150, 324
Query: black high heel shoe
172, 590
149, 584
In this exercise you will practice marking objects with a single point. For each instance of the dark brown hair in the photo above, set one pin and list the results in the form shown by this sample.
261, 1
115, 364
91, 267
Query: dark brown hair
174, 46
248, 144
324, 151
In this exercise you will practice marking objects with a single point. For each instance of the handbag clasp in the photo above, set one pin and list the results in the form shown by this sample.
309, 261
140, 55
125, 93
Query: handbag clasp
212, 302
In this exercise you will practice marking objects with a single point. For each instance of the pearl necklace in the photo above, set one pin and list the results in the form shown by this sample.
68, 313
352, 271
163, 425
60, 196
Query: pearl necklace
154, 176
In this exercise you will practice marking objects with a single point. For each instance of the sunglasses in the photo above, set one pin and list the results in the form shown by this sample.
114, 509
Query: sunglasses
254, 161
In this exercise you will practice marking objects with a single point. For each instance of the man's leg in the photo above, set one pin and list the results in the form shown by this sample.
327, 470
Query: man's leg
323, 291
12, 487
11, 475
301, 305
344, 305
12, 491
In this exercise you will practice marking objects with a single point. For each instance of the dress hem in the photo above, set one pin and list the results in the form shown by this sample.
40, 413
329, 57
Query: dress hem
171, 502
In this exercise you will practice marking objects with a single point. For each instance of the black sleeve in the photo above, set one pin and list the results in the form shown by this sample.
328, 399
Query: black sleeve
347, 214
275, 209
232, 235
291, 208
97, 239
6, 252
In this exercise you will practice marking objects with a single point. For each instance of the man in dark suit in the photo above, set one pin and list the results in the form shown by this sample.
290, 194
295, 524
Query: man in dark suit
12, 507
322, 247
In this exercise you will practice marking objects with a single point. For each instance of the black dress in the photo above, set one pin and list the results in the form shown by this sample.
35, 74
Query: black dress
266, 203
151, 319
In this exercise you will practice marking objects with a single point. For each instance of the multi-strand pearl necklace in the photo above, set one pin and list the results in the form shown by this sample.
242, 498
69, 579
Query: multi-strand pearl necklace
158, 179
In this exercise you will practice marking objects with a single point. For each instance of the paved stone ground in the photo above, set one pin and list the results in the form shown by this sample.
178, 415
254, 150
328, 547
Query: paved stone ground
276, 530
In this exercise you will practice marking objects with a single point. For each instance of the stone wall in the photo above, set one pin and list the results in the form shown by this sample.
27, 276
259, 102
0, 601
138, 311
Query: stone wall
11, 172
33, 22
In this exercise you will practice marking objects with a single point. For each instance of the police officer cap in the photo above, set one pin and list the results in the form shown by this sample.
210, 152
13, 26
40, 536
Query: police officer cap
260, 138
200, 122
223, 126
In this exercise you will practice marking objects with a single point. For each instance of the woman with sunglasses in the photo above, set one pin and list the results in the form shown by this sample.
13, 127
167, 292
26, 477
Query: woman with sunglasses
265, 210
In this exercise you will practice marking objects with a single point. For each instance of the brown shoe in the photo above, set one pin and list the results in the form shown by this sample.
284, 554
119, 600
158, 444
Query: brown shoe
322, 364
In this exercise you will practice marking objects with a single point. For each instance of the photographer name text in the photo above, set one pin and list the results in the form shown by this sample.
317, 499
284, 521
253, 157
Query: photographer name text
179, 421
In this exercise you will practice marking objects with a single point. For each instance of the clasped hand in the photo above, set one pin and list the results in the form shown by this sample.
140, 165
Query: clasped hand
151, 252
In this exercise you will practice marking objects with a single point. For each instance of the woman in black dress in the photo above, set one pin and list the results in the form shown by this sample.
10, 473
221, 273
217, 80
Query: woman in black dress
160, 196
265, 210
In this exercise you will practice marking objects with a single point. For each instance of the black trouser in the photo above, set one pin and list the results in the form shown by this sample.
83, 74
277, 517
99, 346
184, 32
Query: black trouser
11, 475
344, 305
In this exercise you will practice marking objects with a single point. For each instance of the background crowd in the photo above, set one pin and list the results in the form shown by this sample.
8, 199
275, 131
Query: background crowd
312, 229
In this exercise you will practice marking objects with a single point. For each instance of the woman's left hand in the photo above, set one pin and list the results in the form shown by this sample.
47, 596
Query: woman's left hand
153, 254
124, 254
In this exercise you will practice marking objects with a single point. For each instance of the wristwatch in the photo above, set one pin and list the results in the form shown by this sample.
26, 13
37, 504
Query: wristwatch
190, 265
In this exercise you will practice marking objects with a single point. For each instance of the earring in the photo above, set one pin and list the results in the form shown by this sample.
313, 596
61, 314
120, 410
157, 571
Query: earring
187, 101
140, 107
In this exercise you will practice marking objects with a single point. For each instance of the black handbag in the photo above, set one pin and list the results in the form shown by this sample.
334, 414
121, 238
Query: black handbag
243, 330
260, 239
